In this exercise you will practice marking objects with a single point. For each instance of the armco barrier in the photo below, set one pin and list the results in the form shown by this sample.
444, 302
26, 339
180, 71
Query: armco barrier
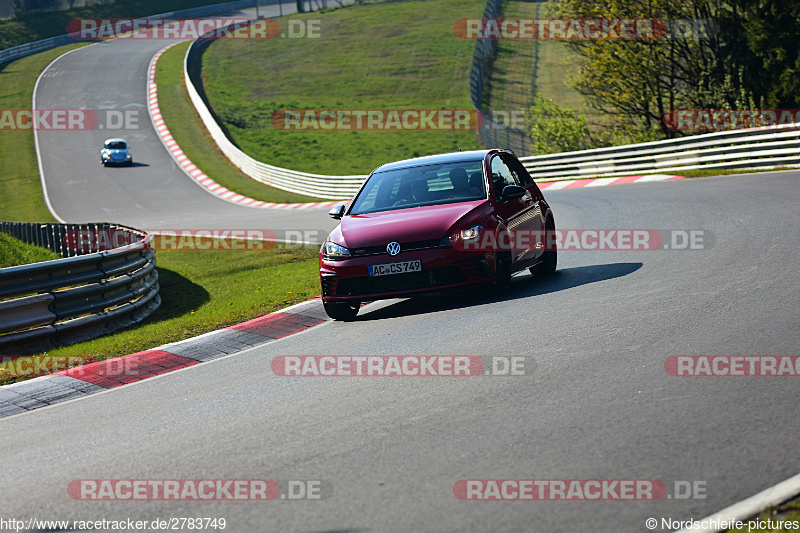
763, 147
94, 289
23, 50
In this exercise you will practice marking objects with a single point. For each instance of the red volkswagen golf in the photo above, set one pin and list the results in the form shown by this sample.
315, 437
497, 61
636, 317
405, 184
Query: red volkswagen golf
435, 223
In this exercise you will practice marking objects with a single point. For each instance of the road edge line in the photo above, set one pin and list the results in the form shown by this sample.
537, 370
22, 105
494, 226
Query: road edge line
36, 134
771, 496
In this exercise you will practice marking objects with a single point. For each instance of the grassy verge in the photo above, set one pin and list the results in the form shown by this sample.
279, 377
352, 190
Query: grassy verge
783, 513
22, 199
14, 252
701, 173
35, 26
187, 128
393, 55
206, 290
524, 67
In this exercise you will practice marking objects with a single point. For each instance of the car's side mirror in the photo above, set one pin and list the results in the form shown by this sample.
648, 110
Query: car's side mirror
336, 212
512, 192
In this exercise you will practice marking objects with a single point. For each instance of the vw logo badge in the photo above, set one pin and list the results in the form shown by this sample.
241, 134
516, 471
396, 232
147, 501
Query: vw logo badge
393, 248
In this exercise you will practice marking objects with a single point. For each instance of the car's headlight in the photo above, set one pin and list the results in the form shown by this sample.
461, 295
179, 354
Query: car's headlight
127, 156
471, 234
334, 251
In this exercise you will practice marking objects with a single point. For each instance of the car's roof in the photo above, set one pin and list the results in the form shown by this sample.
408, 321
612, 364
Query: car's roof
452, 157
115, 140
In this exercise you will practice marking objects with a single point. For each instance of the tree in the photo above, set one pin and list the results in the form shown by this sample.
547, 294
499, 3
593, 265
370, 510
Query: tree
554, 129
737, 53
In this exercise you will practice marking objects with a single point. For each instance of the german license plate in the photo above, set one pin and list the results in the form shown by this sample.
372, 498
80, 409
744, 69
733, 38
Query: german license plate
400, 267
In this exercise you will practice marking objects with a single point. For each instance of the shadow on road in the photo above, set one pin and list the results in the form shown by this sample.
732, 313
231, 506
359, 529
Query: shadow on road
133, 165
179, 295
522, 286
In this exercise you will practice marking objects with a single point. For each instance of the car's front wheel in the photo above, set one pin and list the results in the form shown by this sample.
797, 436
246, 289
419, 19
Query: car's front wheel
502, 275
345, 312
550, 257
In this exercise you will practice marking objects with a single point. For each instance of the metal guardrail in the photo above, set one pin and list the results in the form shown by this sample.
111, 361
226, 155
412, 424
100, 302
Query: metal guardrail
763, 147
317, 185
752, 148
106, 280
35, 47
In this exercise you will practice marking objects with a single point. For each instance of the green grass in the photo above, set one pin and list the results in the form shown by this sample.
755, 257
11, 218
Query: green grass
21, 197
524, 67
699, 173
785, 512
31, 27
204, 290
703, 172
393, 55
14, 252
187, 128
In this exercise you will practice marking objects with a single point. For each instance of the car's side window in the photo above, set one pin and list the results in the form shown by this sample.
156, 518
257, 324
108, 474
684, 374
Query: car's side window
501, 176
517, 169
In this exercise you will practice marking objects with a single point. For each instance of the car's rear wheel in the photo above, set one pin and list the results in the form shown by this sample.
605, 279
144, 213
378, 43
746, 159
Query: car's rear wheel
550, 257
502, 274
345, 312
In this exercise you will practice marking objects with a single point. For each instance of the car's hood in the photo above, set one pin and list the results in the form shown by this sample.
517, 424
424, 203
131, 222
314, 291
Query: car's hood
115, 152
402, 225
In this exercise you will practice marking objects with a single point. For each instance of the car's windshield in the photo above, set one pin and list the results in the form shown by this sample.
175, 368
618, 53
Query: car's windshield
443, 183
116, 145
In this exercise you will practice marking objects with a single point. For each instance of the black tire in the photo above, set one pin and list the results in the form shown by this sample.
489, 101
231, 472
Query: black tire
345, 312
550, 257
502, 275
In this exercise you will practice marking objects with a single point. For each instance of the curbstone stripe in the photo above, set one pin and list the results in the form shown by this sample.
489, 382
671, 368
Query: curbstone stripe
111, 373
191, 170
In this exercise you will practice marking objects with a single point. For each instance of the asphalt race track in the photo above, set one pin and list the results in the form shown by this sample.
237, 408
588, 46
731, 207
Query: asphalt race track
110, 78
595, 401
598, 403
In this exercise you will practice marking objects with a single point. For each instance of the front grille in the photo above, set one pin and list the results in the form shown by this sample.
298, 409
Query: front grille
434, 277
404, 247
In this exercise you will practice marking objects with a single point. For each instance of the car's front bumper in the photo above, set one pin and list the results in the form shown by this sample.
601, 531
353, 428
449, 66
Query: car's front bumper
442, 269
111, 161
